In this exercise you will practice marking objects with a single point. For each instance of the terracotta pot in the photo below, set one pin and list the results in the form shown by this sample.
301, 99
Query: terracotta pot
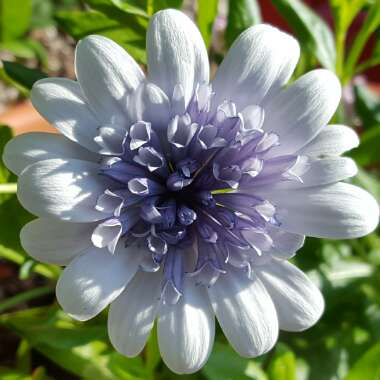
23, 118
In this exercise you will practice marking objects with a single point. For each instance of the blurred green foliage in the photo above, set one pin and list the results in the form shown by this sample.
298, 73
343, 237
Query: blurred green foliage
345, 344
241, 15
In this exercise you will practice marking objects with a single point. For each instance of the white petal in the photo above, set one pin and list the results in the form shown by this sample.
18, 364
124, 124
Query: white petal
107, 234
149, 103
329, 170
323, 172
176, 53
107, 75
56, 242
259, 62
131, 315
333, 140
285, 244
299, 112
93, 280
110, 139
67, 189
245, 313
337, 211
253, 117
298, 302
186, 330
28, 148
61, 102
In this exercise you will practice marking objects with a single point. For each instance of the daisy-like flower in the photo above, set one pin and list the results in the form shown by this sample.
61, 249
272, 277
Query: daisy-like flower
177, 199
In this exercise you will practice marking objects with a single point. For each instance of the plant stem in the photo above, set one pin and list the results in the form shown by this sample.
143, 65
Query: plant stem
25, 296
46, 270
150, 7
152, 353
371, 23
340, 40
6, 188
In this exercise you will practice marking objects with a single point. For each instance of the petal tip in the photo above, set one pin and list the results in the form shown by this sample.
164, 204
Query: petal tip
372, 214
7, 153
330, 80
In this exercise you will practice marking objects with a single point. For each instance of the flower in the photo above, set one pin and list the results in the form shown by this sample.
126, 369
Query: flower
174, 198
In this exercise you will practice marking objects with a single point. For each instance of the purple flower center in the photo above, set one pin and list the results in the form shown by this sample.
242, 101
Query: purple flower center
185, 192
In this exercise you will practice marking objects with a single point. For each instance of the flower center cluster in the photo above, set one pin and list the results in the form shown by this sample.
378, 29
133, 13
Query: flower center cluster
179, 192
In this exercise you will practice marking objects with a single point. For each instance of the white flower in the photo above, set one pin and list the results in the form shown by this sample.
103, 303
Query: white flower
176, 199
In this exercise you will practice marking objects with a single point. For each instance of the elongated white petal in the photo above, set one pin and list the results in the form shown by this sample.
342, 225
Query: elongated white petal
323, 172
333, 140
93, 280
56, 242
299, 112
67, 189
150, 103
176, 53
259, 62
110, 139
329, 170
186, 330
335, 211
61, 102
131, 315
298, 302
107, 75
245, 313
285, 244
26, 149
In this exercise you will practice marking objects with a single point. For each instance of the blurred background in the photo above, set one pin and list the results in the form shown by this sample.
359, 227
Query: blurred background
38, 341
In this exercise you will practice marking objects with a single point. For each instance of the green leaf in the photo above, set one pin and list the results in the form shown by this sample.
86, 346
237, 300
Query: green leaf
207, 11
5, 175
18, 48
128, 30
372, 61
46, 270
367, 367
157, 5
344, 272
5, 136
22, 75
42, 13
24, 48
344, 11
23, 356
26, 269
24, 297
367, 153
144, 8
132, 6
241, 15
17, 216
283, 365
367, 105
81, 349
111, 7
10, 248
12, 374
368, 181
152, 352
14, 18
40, 374
311, 30
371, 23
225, 364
